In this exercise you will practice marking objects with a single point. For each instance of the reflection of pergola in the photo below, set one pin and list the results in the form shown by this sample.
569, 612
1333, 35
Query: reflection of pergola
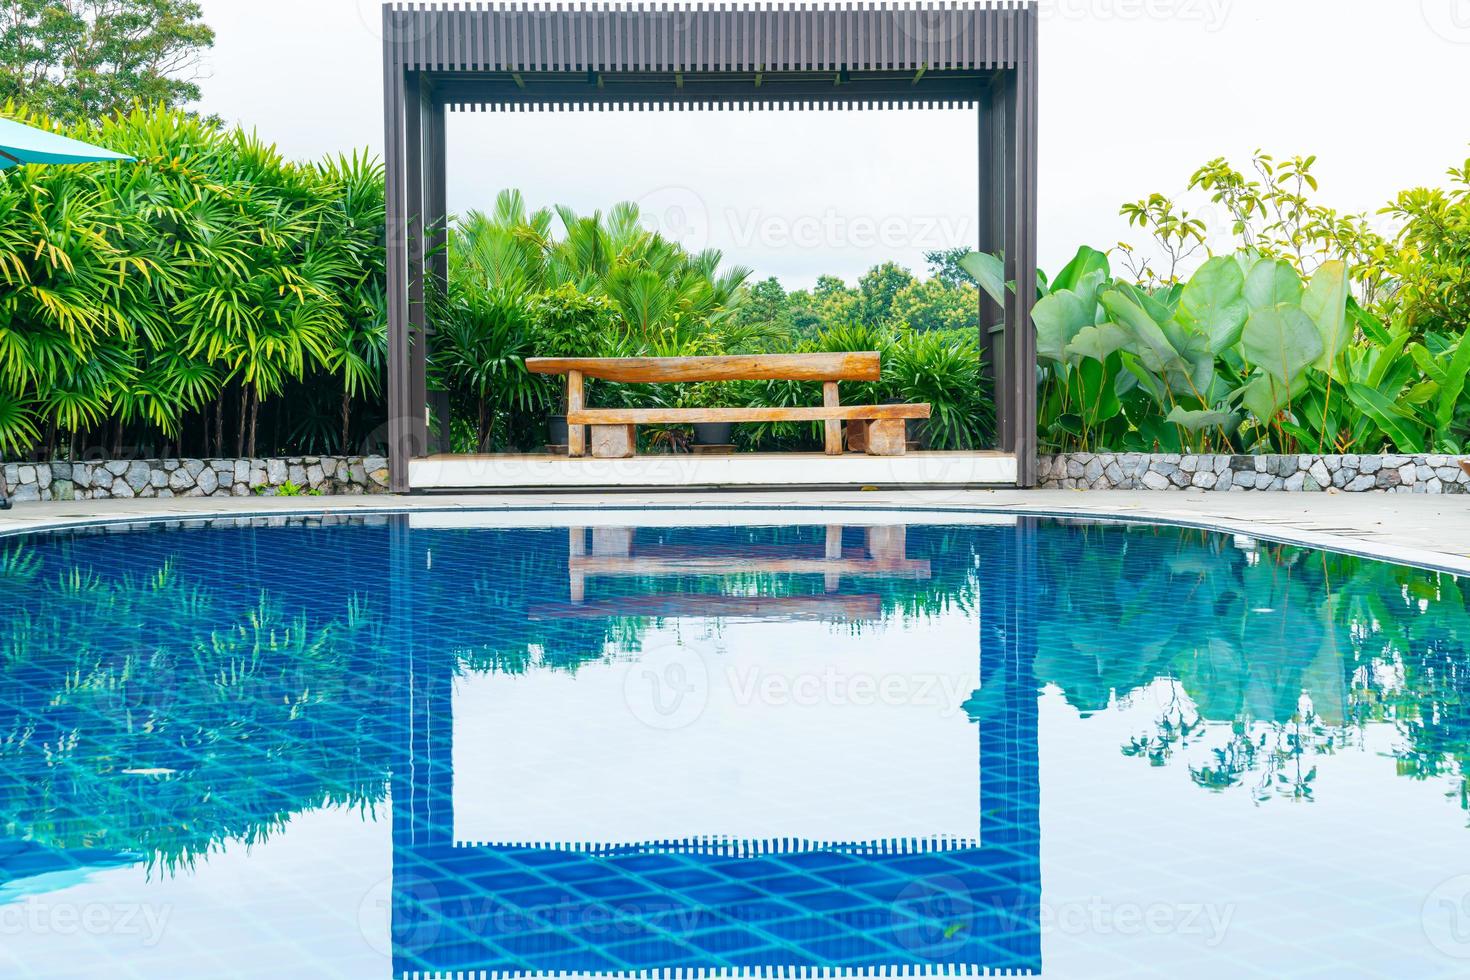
911, 907
437, 57
613, 555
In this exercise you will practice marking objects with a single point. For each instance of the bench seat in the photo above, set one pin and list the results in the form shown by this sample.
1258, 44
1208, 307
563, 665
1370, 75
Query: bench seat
878, 429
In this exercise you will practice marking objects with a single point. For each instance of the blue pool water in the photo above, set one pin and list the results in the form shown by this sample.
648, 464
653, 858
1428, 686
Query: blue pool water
414, 746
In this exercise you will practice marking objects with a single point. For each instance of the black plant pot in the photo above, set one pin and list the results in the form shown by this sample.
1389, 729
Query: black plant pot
556, 430
714, 433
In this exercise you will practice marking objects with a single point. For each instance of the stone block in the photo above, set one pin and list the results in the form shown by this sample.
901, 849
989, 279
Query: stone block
207, 482
180, 480
1155, 481
275, 472
1362, 484
240, 471
889, 437
138, 475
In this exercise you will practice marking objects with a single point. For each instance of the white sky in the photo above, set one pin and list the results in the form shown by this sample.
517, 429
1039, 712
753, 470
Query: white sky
1135, 95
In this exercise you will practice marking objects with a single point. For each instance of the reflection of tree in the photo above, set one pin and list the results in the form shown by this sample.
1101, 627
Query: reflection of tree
1272, 656
152, 702
138, 723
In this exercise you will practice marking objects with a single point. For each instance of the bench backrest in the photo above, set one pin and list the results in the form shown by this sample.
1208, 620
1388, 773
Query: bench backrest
859, 366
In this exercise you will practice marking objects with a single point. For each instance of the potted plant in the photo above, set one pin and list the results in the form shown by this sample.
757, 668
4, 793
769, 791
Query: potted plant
568, 323
710, 394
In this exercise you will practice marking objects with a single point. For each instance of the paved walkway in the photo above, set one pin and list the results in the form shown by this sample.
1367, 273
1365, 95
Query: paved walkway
1425, 530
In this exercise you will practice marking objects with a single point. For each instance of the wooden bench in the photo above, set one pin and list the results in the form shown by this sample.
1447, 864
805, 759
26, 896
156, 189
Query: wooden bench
614, 430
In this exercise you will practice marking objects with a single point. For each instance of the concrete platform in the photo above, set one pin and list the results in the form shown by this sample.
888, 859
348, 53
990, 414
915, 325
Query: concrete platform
1420, 530
437, 474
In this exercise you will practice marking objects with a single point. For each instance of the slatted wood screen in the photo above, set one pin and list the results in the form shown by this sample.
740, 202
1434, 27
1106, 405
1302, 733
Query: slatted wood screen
545, 37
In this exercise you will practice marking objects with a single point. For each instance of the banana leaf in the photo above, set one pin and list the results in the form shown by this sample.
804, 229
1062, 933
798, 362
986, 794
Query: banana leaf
1398, 425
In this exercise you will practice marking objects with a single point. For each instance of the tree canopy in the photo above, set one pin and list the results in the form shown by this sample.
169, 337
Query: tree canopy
85, 60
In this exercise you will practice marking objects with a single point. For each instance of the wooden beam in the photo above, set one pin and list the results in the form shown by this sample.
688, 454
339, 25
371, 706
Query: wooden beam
855, 366
680, 416
916, 569
833, 431
820, 608
576, 434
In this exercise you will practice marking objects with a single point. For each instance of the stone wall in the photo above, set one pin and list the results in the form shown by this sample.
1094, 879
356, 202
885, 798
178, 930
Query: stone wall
1346, 474
121, 478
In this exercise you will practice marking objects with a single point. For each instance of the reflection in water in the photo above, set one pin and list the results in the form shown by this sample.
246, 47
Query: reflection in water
1260, 658
159, 706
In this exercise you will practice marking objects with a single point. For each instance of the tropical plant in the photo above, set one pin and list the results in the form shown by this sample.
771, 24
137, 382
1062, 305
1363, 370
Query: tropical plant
164, 302
1226, 362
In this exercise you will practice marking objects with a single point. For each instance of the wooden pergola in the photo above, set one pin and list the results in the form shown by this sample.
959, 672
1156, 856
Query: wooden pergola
519, 57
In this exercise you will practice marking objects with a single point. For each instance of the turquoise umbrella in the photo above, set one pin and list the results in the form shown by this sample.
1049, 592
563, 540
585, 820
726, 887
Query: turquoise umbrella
20, 143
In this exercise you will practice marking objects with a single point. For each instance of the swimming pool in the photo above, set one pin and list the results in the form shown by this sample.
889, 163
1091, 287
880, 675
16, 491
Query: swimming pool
668, 744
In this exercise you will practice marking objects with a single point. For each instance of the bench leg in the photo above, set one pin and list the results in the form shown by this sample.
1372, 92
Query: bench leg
614, 441
887, 437
857, 436
833, 426
576, 434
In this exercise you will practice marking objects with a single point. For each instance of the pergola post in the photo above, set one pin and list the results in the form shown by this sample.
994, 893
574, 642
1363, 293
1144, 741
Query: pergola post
396, 245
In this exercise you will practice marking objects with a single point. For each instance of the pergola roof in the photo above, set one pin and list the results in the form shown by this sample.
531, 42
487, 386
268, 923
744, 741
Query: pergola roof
532, 56
678, 38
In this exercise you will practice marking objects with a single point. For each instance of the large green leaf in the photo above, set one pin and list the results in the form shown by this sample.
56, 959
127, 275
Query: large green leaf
1272, 282
1454, 384
1059, 317
1214, 303
1198, 421
1325, 301
1099, 342
1093, 394
1405, 431
1151, 344
989, 272
1265, 397
1282, 340
1086, 262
